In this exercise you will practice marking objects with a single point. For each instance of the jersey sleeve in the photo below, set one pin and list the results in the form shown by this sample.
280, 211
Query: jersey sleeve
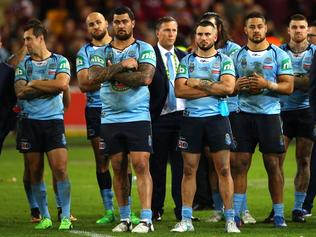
227, 66
63, 65
82, 59
183, 71
20, 72
147, 55
97, 58
284, 63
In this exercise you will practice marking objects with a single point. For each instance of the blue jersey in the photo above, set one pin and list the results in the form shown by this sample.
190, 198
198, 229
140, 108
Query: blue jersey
121, 103
45, 107
229, 49
193, 66
301, 63
83, 62
270, 64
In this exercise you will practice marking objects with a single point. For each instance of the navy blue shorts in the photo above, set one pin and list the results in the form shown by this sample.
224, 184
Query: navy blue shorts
252, 129
213, 131
298, 123
125, 137
93, 121
40, 135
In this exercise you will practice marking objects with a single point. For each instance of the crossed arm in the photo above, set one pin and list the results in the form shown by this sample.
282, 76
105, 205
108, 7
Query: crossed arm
128, 72
38, 88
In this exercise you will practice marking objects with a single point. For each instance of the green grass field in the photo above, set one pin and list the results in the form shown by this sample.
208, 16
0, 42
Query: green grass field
87, 206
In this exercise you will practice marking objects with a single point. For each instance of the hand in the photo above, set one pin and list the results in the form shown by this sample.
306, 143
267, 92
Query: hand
257, 82
242, 84
130, 63
193, 82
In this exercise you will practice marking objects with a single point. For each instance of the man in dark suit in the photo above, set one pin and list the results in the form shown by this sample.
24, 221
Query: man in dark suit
166, 114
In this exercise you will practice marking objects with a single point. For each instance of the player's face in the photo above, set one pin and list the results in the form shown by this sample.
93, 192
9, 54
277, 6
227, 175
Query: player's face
123, 26
97, 26
205, 37
312, 34
32, 43
167, 34
298, 30
256, 29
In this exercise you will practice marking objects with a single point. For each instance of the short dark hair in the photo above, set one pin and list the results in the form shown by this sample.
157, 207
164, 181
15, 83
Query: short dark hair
255, 15
38, 28
298, 17
123, 10
221, 32
164, 19
204, 24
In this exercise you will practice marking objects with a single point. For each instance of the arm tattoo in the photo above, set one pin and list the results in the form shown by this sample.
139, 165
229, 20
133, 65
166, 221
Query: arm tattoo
141, 77
206, 86
25, 92
99, 74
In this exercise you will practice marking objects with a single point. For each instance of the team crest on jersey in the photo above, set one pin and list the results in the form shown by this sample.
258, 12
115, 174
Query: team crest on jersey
228, 139
182, 143
243, 62
131, 54
191, 67
29, 70
267, 60
118, 86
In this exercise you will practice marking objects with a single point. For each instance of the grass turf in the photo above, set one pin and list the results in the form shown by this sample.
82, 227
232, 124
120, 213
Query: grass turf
87, 205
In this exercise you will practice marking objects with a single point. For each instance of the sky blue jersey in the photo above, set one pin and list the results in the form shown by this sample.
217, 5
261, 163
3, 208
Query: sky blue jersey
212, 68
121, 103
229, 49
301, 63
83, 62
45, 107
269, 63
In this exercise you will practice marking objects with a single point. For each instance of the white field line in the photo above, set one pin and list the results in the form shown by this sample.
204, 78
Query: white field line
88, 233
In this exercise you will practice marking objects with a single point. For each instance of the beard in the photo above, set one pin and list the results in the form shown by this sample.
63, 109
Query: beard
100, 36
204, 47
257, 40
125, 36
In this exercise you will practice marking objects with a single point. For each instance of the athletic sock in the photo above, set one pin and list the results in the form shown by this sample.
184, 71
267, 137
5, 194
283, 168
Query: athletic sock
29, 194
238, 200
146, 215
229, 214
107, 197
186, 213
299, 198
218, 203
278, 209
63, 189
39, 192
125, 212
244, 206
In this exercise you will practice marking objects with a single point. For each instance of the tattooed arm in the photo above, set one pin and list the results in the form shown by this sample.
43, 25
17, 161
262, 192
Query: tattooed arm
25, 92
141, 77
223, 87
98, 74
182, 90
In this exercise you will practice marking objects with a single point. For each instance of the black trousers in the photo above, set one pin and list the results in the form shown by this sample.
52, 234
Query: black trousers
165, 132
311, 191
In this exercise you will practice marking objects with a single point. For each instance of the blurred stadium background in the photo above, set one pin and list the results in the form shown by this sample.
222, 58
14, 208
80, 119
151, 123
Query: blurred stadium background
65, 20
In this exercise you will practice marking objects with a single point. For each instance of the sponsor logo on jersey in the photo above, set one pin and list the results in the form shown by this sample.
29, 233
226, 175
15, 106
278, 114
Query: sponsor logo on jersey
243, 62
182, 69
118, 86
267, 67
286, 64
18, 71
64, 64
79, 61
102, 145
148, 55
228, 66
97, 59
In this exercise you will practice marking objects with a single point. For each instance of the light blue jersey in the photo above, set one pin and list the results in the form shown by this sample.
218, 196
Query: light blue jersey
301, 63
121, 103
193, 66
46, 107
270, 64
83, 62
229, 49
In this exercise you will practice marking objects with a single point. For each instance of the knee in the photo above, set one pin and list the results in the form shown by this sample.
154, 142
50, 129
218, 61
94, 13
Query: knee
304, 163
224, 172
188, 171
272, 167
240, 166
60, 173
141, 167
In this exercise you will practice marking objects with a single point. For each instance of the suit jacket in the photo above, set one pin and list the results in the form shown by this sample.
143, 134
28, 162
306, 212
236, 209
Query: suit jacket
312, 87
159, 87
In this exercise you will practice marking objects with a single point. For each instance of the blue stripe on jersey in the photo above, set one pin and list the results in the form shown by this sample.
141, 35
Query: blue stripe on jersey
83, 62
301, 63
192, 66
269, 63
121, 103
